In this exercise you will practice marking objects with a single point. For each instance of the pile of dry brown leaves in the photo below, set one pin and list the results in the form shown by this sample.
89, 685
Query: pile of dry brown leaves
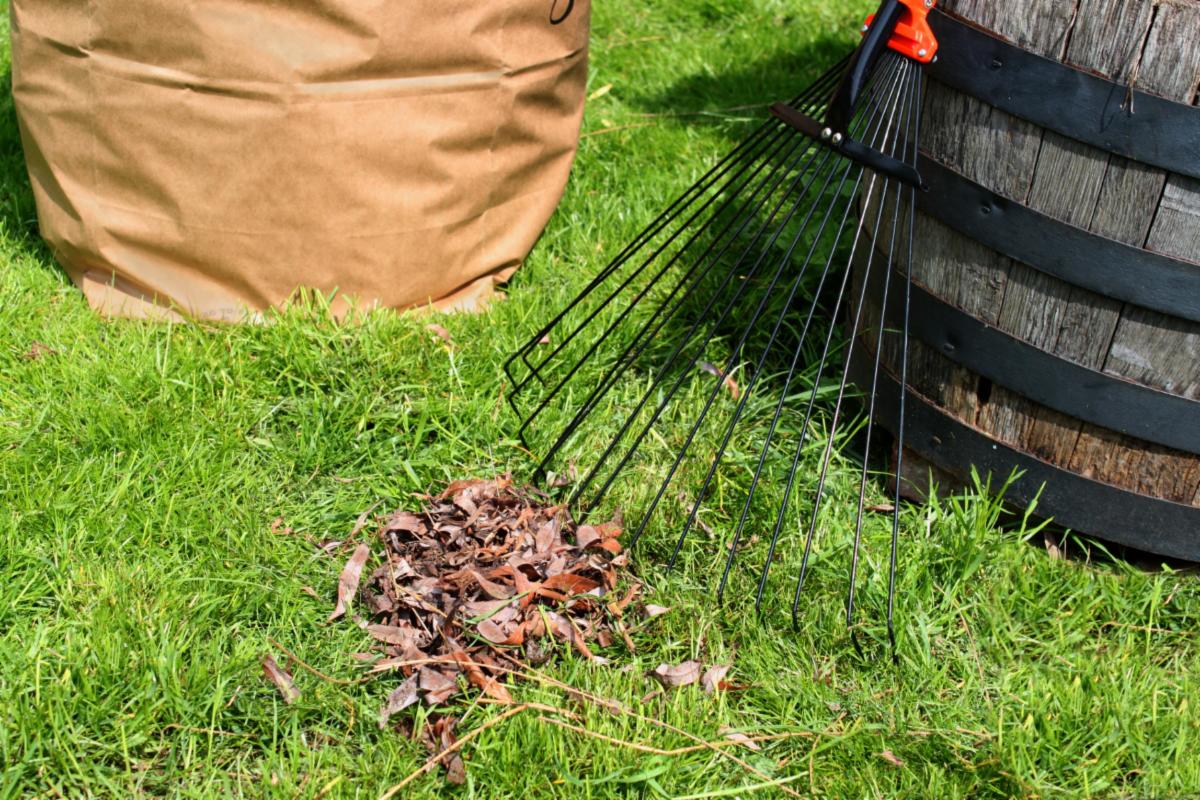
476, 583
476, 589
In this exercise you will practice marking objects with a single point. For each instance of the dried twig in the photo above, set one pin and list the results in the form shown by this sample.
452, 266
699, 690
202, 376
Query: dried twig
603, 702
437, 759
677, 751
313, 670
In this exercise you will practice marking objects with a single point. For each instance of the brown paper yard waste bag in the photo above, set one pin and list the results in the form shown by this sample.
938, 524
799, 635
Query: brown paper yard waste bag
208, 158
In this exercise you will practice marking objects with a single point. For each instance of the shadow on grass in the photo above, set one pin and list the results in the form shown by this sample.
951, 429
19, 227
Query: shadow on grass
18, 213
756, 83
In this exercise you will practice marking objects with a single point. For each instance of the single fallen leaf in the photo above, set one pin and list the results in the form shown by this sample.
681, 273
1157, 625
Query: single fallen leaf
544, 340
740, 738
400, 698
404, 521
37, 350
348, 582
440, 332
714, 678
437, 686
282, 680
679, 675
603, 90
495, 591
892, 758
585, 535
618, 608
456, 771
563, 629
650, 695
570, 583
492, 632
881, 508
279, 528
489, 685
653, 611
730, 384
393, 634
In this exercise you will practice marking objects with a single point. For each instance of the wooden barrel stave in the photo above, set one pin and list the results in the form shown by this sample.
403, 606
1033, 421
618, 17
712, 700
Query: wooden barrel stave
1157, 48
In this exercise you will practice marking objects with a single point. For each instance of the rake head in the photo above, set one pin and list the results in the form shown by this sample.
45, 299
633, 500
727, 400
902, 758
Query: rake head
702, 374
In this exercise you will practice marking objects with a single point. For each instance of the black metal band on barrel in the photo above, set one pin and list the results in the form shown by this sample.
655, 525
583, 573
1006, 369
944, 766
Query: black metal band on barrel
1079, 257
1095, 397
1069, 101
1146, 523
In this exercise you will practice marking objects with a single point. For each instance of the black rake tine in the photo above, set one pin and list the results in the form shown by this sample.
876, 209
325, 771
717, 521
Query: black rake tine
812, 95
887, 275
683, 375
729, 366
758, 166
908, 267
758, 163
748, 389
841, 296
804, 428
642, 340
773, 182
814, 516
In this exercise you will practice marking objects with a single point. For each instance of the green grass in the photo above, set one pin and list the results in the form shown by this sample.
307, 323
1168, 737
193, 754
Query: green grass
141, 467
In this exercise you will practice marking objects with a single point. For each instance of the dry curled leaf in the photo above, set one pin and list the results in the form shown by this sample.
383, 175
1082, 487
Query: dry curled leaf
282, 680
679, 675
653, 611
740, 738
714, 677
730, 384
37, 350
438, 738
401, 698
440, 332
892, 758
349, 580
437, 685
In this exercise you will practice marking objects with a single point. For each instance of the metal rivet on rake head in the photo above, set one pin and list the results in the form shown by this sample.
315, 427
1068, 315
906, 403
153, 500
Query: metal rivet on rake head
837, 138
825, 134
922, 52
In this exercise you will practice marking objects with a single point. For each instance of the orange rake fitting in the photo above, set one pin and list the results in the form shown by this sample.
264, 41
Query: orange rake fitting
913, 37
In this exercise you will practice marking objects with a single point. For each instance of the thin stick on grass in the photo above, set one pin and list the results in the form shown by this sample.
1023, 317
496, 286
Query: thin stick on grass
778, 783
611, 705
675, 751
301, 663
437, 759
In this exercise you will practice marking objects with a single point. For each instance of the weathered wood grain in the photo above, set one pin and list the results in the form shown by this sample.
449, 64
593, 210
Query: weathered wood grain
1155, 45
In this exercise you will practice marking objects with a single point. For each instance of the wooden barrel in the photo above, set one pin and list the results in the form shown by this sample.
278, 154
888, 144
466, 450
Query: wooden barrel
1055, 307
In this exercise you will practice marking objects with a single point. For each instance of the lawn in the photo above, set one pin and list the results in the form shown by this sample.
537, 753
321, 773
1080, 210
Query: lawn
142, 580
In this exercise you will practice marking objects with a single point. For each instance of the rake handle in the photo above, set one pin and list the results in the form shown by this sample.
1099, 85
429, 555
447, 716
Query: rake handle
862, 65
